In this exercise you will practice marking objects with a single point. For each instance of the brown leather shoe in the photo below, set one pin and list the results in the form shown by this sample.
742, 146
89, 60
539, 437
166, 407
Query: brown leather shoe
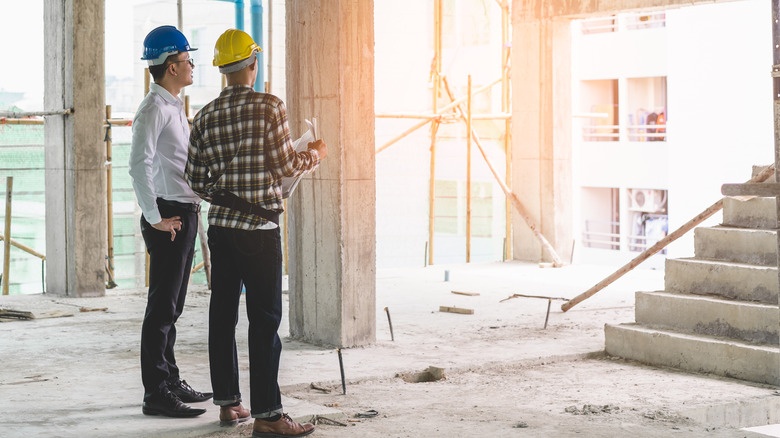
281, 428
232, 415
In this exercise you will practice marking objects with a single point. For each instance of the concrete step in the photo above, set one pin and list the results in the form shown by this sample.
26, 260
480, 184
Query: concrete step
749, 322
695, 353
740, 245
738, 281
754, 213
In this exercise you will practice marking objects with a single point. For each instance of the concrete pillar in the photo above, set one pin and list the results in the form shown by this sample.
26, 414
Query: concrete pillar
541, 130
330, 75
75, 151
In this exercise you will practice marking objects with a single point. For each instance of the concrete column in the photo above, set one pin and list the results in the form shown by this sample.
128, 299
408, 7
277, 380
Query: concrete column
541, 130
75, 151
330, 75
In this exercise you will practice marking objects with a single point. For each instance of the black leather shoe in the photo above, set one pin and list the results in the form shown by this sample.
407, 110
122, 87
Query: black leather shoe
166, 403
187, 394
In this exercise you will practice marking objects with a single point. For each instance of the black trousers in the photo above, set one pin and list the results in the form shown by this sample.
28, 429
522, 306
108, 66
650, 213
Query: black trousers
169, 272
252, 259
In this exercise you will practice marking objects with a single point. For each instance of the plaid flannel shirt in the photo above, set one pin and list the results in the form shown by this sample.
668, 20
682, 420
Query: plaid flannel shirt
240, 142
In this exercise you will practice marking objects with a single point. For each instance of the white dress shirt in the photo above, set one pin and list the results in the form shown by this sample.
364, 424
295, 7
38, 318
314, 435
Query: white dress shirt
158, 155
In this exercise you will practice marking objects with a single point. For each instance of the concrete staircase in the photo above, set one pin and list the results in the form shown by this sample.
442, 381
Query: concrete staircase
718, 313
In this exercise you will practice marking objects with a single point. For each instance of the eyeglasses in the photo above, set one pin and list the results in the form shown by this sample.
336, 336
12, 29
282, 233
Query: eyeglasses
190, 60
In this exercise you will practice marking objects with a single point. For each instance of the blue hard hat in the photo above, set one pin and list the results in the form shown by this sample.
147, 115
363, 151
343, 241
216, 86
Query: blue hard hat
163, 42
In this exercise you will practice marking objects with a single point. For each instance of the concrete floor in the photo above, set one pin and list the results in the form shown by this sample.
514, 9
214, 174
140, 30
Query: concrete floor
79, 376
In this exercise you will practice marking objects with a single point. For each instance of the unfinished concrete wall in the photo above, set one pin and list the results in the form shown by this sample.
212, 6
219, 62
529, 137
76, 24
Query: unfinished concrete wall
332, 264
75, 151
541, 135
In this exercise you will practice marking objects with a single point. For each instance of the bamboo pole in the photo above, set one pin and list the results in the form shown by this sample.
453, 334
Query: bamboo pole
109, 197
661, 244
515, 201
441, 111
4, 121
505, 108
286, 238
500, 116
24, 248
434, 127
9, 188
113, 122
204, 248
468, 174
22, 114
432, 193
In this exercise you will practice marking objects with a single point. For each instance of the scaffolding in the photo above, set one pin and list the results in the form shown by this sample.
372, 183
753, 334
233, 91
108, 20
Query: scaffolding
454, 111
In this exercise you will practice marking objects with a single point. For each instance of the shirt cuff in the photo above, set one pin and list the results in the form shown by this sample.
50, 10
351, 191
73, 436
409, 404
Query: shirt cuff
153, 217
314, 154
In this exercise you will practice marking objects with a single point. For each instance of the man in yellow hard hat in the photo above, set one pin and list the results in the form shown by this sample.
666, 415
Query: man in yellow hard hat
239, 150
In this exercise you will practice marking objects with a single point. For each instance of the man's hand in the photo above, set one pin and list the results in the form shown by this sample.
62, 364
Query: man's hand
320, 147
171, 225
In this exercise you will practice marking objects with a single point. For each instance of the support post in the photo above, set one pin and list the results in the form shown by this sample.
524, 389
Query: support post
9, 188
436, 74
432, 193
468, 174
109, 200
74, 147
333, 212
506, 43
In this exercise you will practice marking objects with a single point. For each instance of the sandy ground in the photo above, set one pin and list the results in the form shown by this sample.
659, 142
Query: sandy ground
505, 375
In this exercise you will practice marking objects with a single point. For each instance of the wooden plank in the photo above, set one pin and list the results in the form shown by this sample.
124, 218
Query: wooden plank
456, 310
671, 237
470, 294
751, 189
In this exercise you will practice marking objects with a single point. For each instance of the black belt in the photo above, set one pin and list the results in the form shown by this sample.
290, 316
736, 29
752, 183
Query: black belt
223, 198
188, 206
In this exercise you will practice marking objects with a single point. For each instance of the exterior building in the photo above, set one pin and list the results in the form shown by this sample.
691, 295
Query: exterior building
667, 106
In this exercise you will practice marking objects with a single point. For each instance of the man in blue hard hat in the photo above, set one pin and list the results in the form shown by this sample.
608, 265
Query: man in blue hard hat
169, 220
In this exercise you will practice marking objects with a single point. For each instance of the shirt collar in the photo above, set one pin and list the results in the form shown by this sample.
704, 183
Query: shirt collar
165, 94
236, 88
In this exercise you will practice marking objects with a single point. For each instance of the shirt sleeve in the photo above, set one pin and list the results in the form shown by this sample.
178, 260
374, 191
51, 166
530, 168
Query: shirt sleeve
282, 158
146, 130
196, 171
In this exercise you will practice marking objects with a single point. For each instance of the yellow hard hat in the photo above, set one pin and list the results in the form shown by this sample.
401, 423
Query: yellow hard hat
233, 46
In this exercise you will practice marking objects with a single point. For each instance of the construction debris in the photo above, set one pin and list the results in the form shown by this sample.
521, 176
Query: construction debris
456, 310
470, 294
320, 388
17, 315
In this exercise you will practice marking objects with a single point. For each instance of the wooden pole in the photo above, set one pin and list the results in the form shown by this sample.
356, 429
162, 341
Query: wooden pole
109, 198
24, 248
661, 244
9, 188
204, 249
441, 111
434, 127
432, 193
468, 174
512, 197
505, 108
286, 239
